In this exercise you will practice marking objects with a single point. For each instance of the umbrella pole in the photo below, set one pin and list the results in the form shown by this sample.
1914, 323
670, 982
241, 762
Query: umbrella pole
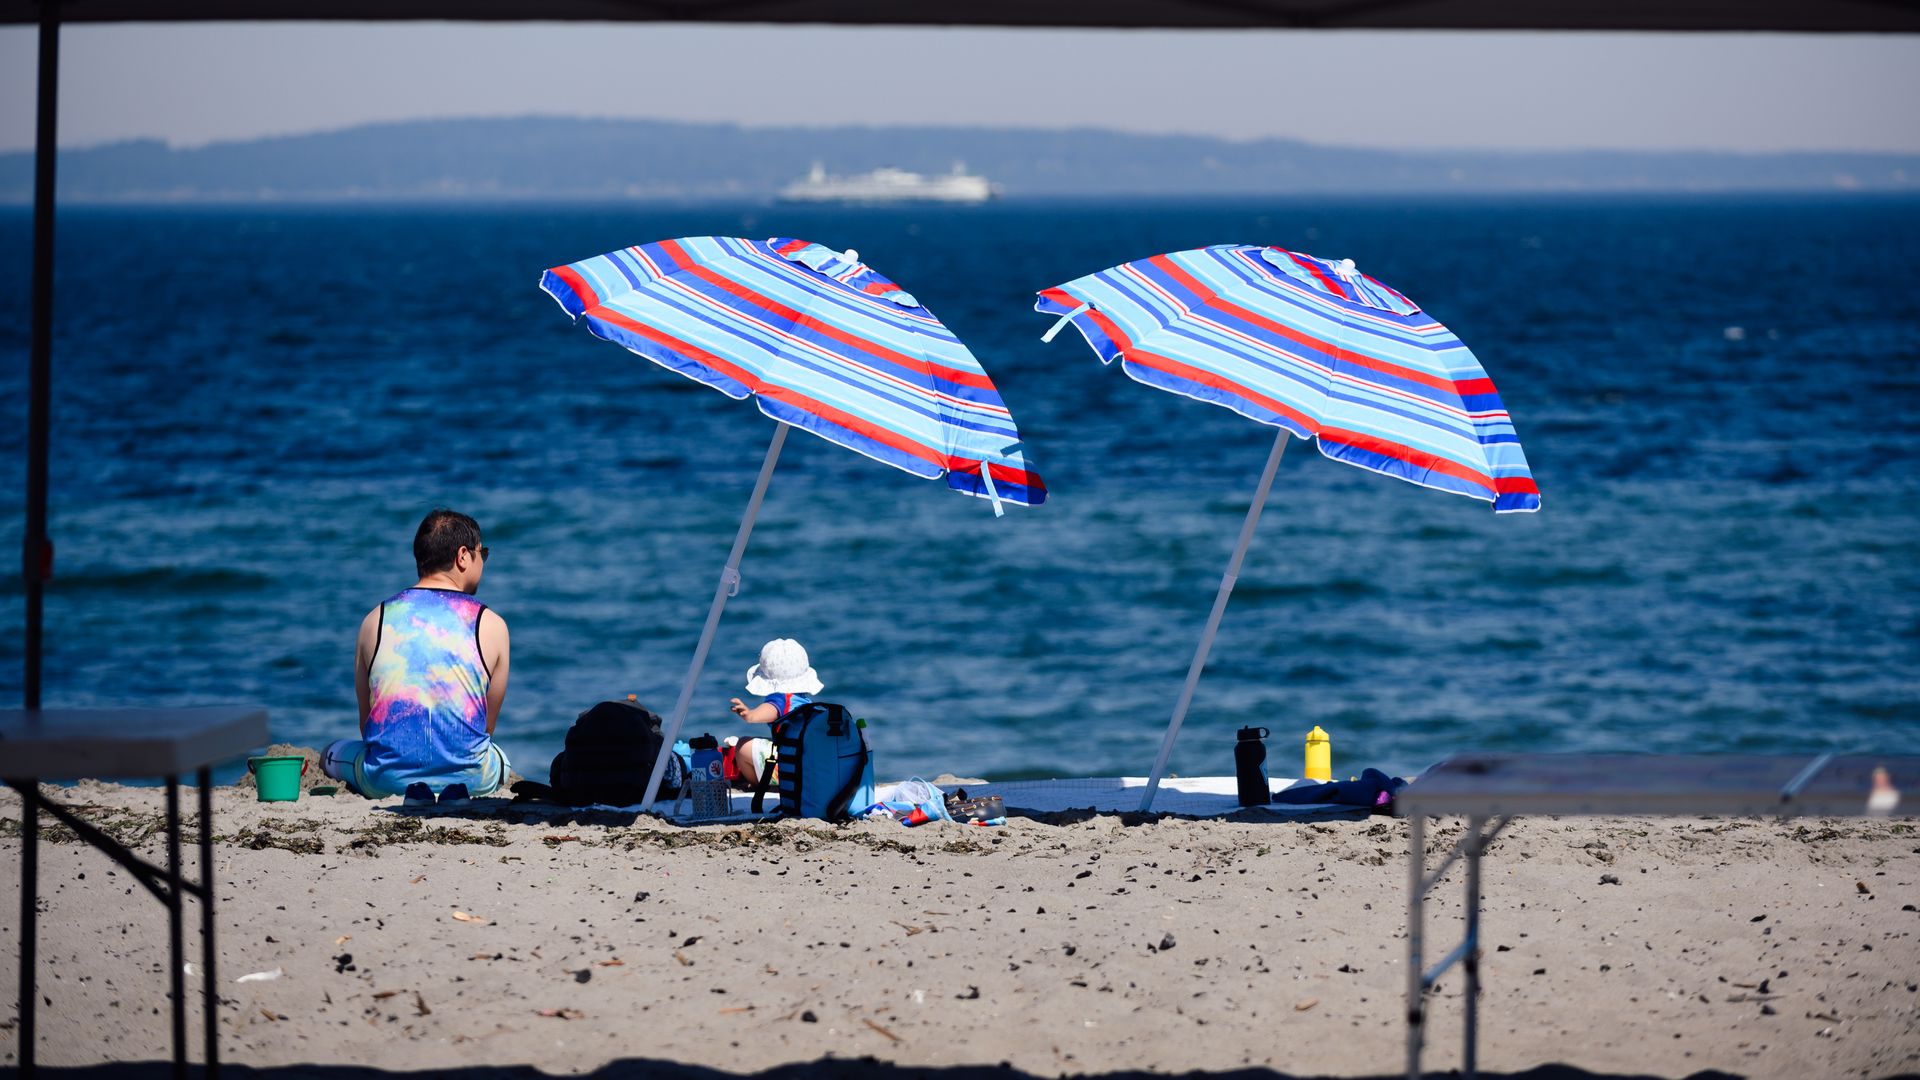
1213, 619
729, 584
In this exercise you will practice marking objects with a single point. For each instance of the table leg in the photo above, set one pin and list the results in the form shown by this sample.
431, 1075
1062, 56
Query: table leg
1475, 841
175, 972
29, 917
210, 1005
1416, 914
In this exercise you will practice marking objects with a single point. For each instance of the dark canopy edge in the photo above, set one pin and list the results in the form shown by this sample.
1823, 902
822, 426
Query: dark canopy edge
1805, 16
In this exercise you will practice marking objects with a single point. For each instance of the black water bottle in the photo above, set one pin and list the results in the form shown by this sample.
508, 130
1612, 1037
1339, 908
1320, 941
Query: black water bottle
1250, 767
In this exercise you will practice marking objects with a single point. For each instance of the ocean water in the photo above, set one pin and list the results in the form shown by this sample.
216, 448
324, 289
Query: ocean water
1720, 400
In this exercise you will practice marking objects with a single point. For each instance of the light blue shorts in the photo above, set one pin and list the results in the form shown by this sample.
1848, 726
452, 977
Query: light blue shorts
345, 760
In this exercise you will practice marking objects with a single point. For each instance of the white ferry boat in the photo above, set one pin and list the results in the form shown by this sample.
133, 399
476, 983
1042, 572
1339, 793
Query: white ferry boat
889, 185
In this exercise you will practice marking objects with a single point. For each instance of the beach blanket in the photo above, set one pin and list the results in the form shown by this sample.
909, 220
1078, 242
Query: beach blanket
1189, 796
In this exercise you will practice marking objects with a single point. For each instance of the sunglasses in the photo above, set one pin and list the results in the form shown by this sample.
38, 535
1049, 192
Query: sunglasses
481, 551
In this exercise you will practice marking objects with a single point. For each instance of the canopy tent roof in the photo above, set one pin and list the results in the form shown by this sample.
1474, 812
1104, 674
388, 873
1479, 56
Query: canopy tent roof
1811, 16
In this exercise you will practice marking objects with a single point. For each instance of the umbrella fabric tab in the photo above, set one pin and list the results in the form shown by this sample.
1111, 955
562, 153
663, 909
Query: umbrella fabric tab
1054, 330
986, 475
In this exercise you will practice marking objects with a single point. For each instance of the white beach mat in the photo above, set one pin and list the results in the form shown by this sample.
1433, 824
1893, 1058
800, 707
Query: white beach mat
1192, 796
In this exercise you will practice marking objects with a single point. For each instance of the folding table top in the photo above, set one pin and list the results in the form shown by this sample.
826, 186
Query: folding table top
109, 744
1758, 785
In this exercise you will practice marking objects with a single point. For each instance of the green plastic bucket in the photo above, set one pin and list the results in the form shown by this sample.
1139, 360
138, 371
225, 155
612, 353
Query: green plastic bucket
278, 778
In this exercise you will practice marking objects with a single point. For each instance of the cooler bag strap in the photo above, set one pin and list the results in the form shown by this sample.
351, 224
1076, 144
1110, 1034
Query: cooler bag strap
765, 782
837, 808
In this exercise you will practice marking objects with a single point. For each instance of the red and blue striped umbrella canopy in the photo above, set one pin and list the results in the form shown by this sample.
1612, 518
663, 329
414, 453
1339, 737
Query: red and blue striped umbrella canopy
1312, 346
820, 341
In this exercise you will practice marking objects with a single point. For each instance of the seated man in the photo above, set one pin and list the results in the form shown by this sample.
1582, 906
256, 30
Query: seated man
430, 672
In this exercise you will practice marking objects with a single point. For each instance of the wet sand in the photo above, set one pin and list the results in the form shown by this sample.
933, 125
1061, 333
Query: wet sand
1079, 943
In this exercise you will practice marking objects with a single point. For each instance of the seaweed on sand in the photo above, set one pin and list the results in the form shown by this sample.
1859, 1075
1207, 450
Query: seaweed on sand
262, 837
671, 839
129, 828
800, 839
394, 829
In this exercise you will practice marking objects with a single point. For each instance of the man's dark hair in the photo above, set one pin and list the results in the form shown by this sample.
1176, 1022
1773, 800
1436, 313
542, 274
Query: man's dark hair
441, 535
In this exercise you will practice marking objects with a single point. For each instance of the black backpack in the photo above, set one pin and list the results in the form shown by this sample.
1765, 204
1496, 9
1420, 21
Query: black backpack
609, 756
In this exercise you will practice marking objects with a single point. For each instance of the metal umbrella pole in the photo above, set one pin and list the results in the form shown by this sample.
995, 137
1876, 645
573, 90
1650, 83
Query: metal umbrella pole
1213, 619
728, 586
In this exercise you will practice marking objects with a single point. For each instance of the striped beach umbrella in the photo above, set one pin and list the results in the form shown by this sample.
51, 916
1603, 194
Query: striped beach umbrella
1312, 347
821, 342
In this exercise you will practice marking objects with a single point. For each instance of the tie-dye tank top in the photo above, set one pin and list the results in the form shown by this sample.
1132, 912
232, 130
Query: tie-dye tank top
427, 721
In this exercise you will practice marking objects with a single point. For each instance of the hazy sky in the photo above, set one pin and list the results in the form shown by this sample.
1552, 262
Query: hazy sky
191, 84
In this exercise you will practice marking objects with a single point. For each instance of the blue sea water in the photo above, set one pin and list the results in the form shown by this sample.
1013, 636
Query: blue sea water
1720, 400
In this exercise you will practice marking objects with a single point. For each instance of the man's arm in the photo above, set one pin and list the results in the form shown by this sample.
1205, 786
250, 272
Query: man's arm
368, 640
494, 650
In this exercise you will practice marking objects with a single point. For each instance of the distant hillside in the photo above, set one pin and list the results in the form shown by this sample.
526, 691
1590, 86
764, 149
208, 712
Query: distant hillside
596, 159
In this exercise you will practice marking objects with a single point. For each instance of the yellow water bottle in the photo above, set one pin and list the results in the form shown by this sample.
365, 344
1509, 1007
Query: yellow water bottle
1319, 755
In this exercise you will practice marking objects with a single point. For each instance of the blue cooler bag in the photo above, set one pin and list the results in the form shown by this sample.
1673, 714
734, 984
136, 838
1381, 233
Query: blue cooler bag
826, 767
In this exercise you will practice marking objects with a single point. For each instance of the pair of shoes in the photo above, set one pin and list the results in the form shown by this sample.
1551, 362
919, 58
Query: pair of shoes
418, 795
984, 808
454, 795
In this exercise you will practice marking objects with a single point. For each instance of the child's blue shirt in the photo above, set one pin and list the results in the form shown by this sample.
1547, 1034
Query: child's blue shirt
786, 703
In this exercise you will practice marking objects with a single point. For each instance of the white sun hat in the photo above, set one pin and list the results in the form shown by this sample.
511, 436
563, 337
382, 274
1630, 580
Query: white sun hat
783, 669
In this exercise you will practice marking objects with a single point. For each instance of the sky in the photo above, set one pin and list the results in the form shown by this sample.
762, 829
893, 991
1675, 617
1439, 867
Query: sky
197, 83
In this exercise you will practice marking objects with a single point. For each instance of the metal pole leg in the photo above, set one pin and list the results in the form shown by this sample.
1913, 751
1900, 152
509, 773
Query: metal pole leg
210, 1005
176, 973
1475, 842
35, 549
1416, 915
29, 917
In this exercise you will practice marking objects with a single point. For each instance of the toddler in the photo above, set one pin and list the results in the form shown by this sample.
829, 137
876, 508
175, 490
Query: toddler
783, 677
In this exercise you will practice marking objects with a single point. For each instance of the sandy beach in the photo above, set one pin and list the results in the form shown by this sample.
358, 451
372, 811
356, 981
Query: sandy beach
1078, 944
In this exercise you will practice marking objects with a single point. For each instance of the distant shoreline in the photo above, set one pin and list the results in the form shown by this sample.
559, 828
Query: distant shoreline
681, 163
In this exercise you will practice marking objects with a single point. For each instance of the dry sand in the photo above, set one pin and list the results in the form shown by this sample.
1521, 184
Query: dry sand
1077, 944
